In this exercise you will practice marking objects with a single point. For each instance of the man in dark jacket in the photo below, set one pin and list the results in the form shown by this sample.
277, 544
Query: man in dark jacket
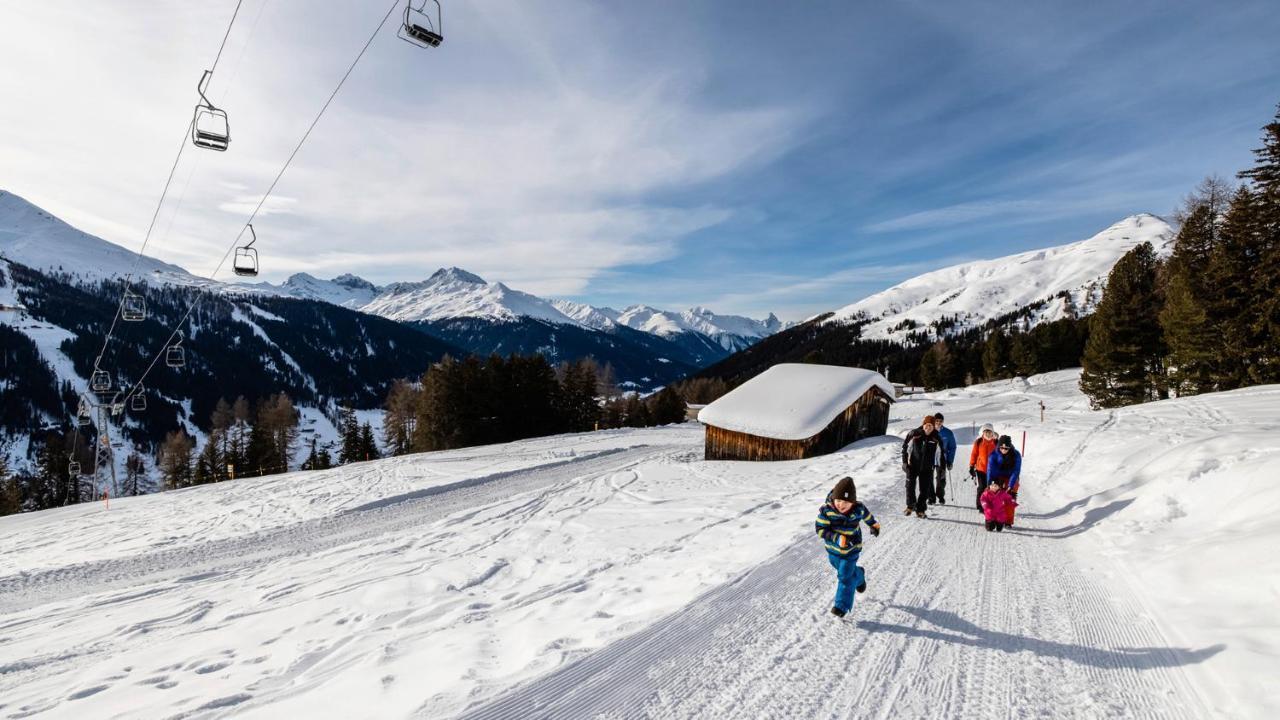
922, 456
949, 450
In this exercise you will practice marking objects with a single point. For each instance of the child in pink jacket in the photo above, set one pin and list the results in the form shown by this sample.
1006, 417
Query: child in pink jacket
997, 504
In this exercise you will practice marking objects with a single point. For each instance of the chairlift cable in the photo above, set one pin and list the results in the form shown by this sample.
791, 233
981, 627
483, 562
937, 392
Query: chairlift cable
128, 279
231, 249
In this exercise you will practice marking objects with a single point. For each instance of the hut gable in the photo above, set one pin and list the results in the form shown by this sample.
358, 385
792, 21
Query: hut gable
794, 411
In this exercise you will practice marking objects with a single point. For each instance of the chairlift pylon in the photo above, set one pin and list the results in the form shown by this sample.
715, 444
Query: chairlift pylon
419, 27
246, 259
175, 356
209, 127
133, 308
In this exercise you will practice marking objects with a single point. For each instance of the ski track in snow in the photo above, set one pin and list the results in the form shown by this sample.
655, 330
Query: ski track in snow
956, 623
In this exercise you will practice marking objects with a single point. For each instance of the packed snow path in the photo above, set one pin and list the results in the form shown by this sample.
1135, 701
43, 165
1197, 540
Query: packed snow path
956, 623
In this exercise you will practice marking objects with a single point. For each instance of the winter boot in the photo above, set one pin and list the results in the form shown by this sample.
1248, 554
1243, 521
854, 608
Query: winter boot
991, 527
931, 501
999, 527
909, 511
837, 612
862, 586
920, 514
942, 500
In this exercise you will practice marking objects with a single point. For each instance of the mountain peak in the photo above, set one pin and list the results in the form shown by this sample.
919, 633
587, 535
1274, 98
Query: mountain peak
456, 274
355, 282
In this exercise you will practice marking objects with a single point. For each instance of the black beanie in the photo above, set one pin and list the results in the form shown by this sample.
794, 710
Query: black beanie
1005, 440
844, 490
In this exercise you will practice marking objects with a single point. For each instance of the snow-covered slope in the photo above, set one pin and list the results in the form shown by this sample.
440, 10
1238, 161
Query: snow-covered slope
1136, 583
37, 239
978, 291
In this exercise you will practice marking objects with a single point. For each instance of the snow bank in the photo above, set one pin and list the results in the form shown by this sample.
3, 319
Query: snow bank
792, 401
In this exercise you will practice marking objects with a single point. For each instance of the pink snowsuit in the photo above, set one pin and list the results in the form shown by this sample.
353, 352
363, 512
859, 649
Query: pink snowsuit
997, 505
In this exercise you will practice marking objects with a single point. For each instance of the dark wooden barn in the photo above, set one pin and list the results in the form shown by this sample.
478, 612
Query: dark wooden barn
794, 411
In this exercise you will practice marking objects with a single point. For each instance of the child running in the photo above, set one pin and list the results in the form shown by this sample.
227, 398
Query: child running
996, 506
837, 524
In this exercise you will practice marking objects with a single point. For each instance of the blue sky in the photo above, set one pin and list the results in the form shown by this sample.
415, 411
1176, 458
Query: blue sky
747, 156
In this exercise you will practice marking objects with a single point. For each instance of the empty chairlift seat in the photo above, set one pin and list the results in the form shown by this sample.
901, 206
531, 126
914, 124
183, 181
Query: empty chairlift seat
175, 356
423, 25
209, 127
133, 308
100, 381
245, 263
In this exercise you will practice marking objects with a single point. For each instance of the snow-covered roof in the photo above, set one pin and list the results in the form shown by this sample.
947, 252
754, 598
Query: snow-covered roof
792, 401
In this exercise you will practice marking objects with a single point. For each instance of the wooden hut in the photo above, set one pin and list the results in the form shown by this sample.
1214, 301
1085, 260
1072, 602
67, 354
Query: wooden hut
792, 411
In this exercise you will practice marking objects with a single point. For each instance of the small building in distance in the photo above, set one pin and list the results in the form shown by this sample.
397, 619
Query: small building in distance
796, 411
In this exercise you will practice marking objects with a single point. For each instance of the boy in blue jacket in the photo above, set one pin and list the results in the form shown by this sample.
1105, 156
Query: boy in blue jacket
837, 525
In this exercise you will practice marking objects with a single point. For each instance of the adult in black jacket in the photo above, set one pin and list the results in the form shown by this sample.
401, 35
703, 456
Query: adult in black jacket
922, 456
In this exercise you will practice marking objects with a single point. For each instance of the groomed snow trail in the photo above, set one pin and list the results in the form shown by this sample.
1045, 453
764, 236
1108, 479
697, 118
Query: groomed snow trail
956, 623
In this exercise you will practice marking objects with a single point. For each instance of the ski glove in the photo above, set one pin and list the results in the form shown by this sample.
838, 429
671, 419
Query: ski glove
875, 530
972, 473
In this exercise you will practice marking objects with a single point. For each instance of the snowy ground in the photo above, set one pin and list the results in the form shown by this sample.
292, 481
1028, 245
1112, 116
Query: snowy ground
616, 575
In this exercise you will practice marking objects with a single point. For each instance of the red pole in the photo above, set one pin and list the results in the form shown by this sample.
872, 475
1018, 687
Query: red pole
1024, 442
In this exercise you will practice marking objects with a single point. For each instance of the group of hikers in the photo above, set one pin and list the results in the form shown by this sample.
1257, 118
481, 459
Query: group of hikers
928, 454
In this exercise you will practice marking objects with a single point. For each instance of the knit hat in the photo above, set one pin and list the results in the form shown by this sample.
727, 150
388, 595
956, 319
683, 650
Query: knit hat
1005, 440
986, 427
928, 419
844, 490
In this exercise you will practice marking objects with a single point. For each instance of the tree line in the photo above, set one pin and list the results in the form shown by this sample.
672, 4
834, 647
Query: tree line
1207, 318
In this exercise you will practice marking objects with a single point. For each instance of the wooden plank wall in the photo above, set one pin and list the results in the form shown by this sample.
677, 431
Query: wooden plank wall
866, 417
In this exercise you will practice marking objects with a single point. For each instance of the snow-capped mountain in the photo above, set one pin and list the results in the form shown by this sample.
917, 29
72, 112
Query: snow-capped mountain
348, 291
732, 332
1069, 277
37, 239
452, 293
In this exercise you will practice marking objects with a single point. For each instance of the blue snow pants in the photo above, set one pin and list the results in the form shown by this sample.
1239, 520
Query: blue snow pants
849, 576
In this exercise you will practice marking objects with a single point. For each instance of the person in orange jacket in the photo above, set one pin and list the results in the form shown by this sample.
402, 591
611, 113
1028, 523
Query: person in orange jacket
983, 446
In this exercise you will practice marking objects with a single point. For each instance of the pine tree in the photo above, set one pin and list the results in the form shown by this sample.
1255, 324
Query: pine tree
937, 367
318, 458
667, 407
174, 460
1123, 359
1264, 330
1234, 311
1024, 354
349, 433
10, 490
368, 446
1190, 336
996, 364
136, 481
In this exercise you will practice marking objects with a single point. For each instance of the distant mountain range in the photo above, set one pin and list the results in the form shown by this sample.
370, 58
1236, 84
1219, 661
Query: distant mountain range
646, 346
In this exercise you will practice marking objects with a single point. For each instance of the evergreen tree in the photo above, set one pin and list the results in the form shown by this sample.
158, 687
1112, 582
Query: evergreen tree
368, 446
10, 490
667, 407
1123, 360
1024, 354
174, 460
996, 364
937, 367
1264, 330
318, 458
210, 466
349, 433
136, 481
1233, 311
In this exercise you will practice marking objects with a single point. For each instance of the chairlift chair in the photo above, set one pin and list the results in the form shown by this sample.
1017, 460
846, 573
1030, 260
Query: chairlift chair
83, 416
73, 469
209, 127
133, 308
100, 381
420, 27
175, 356
245, 262
138, 402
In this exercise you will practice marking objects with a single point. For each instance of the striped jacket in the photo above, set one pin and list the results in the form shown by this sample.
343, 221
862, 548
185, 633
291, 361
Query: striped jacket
841, 533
